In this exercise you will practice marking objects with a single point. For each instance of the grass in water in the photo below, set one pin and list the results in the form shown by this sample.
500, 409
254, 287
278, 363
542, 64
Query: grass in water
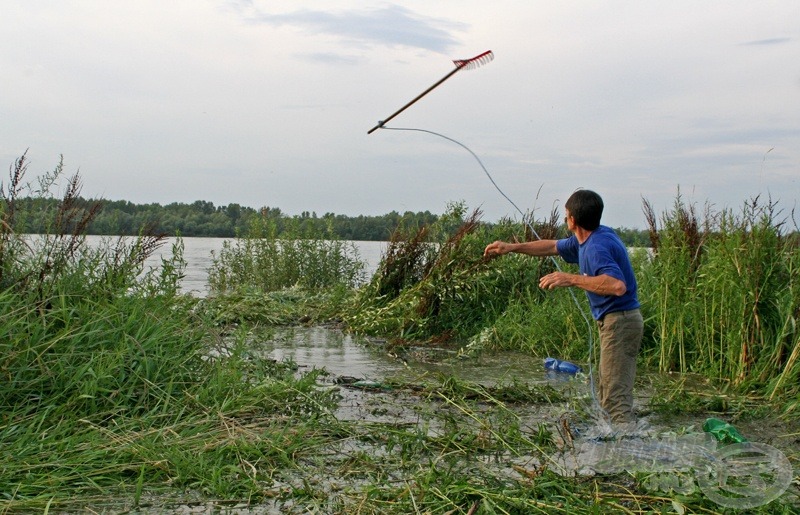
118, 393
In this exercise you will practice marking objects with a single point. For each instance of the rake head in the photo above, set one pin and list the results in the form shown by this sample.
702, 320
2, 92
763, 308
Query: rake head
478, 60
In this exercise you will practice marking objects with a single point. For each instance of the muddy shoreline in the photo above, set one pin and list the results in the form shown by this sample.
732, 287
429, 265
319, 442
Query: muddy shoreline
394, 400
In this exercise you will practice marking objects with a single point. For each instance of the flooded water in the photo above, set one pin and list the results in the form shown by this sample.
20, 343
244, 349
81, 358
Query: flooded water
678, 460
369, 359
338, 353
363, 370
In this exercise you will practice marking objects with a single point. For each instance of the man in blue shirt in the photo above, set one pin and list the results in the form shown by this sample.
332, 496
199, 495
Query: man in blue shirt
607, 277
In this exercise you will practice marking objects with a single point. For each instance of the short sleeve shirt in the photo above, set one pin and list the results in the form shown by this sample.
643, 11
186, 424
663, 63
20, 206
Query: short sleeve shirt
603, 253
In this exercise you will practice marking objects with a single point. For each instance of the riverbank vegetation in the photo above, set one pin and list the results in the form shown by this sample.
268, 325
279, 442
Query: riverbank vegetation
119, 393
720, 296
204, 219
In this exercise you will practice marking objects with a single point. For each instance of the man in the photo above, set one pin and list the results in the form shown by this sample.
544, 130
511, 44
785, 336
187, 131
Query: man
607, 277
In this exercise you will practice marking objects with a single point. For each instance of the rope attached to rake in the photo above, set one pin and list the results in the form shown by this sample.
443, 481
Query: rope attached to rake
468, 64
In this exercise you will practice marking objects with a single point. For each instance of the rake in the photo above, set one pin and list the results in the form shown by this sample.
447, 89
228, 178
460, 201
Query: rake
461, 64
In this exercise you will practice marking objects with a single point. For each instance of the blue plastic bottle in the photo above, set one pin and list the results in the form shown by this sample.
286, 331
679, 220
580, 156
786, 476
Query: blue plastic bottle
561, 366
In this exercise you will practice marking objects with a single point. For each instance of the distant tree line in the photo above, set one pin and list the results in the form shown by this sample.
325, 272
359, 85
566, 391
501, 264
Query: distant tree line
204, 219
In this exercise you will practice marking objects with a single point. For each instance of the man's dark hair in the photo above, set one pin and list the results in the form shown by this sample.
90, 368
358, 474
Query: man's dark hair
586, 207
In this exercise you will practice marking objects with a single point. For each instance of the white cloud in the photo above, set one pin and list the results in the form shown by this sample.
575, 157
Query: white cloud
388, 25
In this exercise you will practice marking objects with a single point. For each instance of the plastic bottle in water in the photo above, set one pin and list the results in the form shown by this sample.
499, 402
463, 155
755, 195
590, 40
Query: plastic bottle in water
561, 366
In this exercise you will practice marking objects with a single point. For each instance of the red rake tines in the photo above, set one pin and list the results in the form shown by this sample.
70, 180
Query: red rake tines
478, 60
461, 64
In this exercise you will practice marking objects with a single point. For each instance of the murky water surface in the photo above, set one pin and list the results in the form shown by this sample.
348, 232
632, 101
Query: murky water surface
362, 369
370, 359
678, 463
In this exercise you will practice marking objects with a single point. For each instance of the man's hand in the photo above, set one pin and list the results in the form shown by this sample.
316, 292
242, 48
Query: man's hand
498, 248
556, 280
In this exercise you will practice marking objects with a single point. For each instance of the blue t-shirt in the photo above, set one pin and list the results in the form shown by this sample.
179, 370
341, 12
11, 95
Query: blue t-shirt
602, 253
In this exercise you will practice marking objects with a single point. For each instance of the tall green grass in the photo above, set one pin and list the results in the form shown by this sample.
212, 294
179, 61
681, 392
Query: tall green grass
119, 394
114, 386
260, 261
722, 296
445, 290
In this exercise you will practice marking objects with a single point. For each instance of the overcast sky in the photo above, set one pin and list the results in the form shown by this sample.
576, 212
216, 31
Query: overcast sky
268, 103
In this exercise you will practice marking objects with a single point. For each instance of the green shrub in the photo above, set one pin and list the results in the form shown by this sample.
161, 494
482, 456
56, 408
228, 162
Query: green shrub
261, 262
444, 289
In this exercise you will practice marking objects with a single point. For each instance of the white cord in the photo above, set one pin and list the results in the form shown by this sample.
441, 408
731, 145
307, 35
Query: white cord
555, 262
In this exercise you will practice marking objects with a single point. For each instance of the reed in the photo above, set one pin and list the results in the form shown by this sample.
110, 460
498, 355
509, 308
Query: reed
260, 261
719, 293
442, 288
114, 386
721, 297
118, 394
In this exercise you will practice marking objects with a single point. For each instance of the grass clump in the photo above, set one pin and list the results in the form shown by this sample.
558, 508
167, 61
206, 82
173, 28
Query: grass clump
434, 285
260, 261
115, 387
300, 277
433, 282
721, 297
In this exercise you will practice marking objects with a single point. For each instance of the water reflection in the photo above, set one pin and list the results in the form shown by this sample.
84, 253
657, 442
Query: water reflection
343, 354
338, 353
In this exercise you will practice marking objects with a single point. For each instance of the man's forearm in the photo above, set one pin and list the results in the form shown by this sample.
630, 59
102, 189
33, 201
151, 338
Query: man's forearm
600, 284
535, 248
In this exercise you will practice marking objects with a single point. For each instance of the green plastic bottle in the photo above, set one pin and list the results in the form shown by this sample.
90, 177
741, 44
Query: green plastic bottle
722, 431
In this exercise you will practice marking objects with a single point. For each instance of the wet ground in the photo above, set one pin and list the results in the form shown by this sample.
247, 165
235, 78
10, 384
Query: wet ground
362, 370
375, 383
358, 366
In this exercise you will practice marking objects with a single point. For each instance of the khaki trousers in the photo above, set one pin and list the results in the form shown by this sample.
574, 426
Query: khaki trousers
620, 339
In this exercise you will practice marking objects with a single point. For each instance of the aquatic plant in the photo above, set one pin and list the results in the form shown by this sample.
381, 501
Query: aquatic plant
44, 266
445, 290
116, 387
260, 261
432, 284
118, 394
721, 297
